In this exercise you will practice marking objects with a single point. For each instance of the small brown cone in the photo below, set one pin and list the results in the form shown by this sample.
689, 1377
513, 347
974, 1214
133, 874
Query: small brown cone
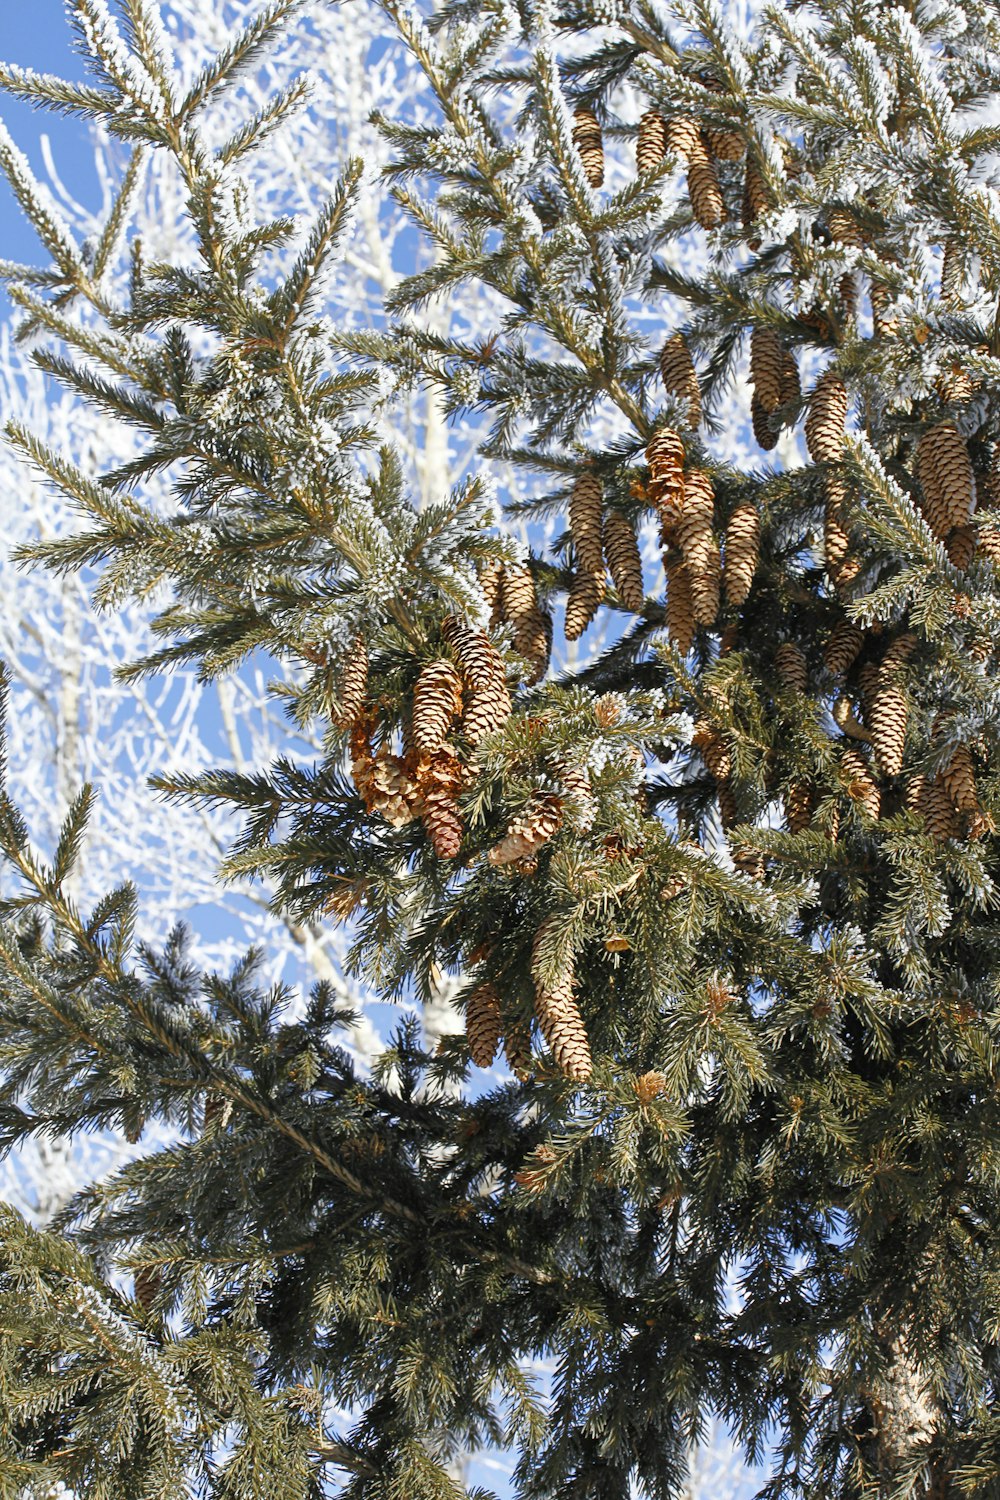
884, 322
589, 143
491, 584
798, 806
766, 361
586, 591
756, 199
767, 437
790, 666
482, 1024
559, 1017
841, 565
529, 831
585, 509
680, 604
791, 386
437, 701
651, 141
574, 780
826, 420
487, 699
698, 545
724, 145
707, 203
886, 716
945, 472
952, 273
936, 808
742, 552
649, 1086
988, 542
728, 811
146, 1283
843, 647
353, 684
679, 376
517, 1050
439, 786
621, 549
683, 136
843, 228
862, 787
955, 385
713, 748
520, 607
960, 779
665, 457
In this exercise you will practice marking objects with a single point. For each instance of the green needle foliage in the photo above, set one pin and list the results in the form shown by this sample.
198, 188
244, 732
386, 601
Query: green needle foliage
728, 890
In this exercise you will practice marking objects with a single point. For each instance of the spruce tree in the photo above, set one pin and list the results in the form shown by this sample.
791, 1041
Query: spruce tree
724, 892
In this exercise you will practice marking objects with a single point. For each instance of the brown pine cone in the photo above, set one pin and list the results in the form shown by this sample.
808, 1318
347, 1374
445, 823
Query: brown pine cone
665, 457
680, 603
885, 323
988, 542
482, 1024
766, 363
862, 787
790, 665
843, 228
589, 143
756, 199
586, 591
952, 273
841, 565
798, 806
575, 782
707, 203
585, 509
147, 1282
955, 385
826, 419
517, 1050
749, 862
896, 655
766, 435
491, 584
929, 797
622, 553
529, 830
437, 700
353, 684
724, 145
683, 137
649, 1086
559, 1016
487, 699
651, 141
698, 545
742, 552
848, 291
440, 784
679, 376
520, 607
728, 811
886, 716
843, 647
945, 473
791, 386
960, 779
713, 747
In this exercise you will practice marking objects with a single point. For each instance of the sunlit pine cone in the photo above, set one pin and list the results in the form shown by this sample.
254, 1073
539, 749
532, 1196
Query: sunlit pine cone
698, 545
960, 779
559, 1015
791, 386
847, 289
756, 200
790, 666
585, 515
482, 1024
766, 362
491, 585
649, 1086
393, 793
988, 542
896, 655
841, 565
439, 786
886, 716
742, 552
707, 202
651, 141
843, 229
798, 806
520, 607
679, 376
529, 830
827, 418
353, 684
683, 136
487, 699
765, 434
945, 473
665, 457
589, 143
680, 604
724, 145
362, 763
728, 811
749, 862
586, 591
955, 386
843, 647
884, 323
621, 550
574, 780
437, 702
862, 787
713, 747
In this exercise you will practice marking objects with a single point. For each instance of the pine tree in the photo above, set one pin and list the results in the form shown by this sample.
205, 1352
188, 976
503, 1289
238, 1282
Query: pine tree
744, 1045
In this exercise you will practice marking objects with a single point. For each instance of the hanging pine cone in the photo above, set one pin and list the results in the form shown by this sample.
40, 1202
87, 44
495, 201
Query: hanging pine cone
585, 508
766, 364
491, 584
147, 1282
437, 700
884, 322
945, 473
559, 1015
766, 435
798, 806
651, 141
988, 542
827, 418
353, 684
679, 376
649, 1086
440, 782
487, 699
931, 800
862, 787
520, 607
841, 565
683, 137
713, 747
586, 591
529, 830
517, 1049
574, 779
843, 229
843, 647
724, 145
742, 552
756, 199
896, 655
589, 143
886, 716
728, 811
698, 545
665, 457
952, 273
482, 1024
960, 779
707, 203
622, 553
955, 385
680, 604
791, 386
790, 665
749, 862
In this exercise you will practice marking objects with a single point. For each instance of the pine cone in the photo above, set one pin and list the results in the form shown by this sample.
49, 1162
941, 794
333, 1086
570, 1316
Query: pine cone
960, 779
988, 542
622, 552
147, 1282
791, 386
491, 584
353, 684
589, 143
884, 322
931, 800
680, 604
482, 1024
952, 273
843, 229
665, 457
886, 716
698, 545
790, 665
649, 1086
749, 862
827, 418
520, 607
680, 377
798, 806
766, 365
848, 292
742, 552
440, 783
575, 782
707, 203
683, 137
841, 565
728, 811
955, 386
517, 1050
766, 435
713, 747
843, 647
487, 699
583, 601
896, 655
651, 141
756, 199
862, 787
585, 509
437, 700
724, 145
559, 1016
945, 473
529, 831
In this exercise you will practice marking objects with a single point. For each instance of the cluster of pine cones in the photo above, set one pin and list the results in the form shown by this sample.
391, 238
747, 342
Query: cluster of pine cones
600, 540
